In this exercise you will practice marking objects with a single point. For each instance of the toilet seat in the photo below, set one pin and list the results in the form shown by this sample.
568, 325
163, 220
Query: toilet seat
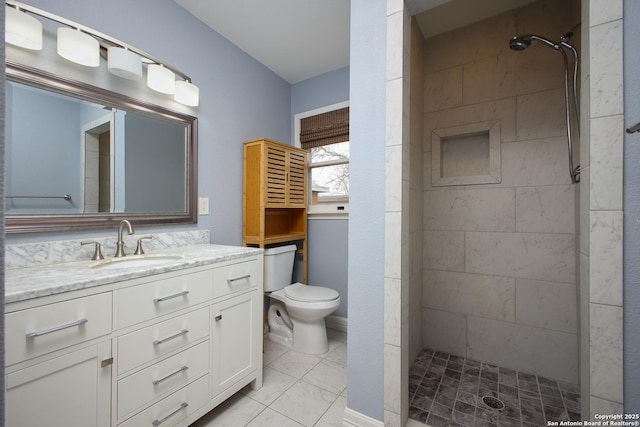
303, 293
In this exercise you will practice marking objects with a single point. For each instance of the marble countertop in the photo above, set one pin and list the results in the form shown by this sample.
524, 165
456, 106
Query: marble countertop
33, 282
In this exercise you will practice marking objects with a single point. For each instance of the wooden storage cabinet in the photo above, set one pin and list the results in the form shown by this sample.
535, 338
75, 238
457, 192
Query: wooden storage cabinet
276, 173
275, 195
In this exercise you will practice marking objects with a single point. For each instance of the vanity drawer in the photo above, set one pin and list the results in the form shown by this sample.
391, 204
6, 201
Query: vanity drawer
152, 342
162, 378
162, 297
235, 277
36, 331
174, 408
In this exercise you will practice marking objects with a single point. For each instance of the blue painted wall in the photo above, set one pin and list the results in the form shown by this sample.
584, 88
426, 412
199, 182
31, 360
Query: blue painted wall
631, 208
151, 147
326, 89
366, 216
59, 170
328, 258
240, 99
2, 193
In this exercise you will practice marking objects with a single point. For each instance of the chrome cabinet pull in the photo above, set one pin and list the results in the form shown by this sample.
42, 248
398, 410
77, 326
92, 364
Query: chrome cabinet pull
246, 276
158, 422
218, 317
56, 328
166, 377
179, 334
178, 295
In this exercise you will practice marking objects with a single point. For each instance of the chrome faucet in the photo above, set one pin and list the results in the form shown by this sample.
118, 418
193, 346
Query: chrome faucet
120, 243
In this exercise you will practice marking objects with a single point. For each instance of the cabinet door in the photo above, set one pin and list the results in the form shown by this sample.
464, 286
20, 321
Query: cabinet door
276, 175
70, 390
296, 179
286, 176
234, 340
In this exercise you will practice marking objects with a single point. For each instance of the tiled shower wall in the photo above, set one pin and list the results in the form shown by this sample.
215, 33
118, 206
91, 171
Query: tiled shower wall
601, 227
499, 260
416, 191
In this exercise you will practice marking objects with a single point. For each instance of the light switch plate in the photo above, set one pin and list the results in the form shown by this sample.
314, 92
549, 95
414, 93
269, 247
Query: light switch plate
203, 206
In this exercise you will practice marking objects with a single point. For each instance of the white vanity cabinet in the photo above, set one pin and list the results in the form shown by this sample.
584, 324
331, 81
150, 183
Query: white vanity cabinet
158, 350
59, 363
162, 346
237, 332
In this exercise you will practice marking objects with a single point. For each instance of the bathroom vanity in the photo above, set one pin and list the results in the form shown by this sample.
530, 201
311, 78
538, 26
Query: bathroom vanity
155, 340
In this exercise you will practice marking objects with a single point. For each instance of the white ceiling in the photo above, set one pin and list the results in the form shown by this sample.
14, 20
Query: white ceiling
296, 39
300, 39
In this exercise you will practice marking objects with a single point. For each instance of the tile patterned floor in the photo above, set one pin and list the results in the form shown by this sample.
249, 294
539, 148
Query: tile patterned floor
446, 390
298, 390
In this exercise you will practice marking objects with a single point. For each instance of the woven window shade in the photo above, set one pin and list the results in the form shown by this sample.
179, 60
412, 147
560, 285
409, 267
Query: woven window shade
324, 129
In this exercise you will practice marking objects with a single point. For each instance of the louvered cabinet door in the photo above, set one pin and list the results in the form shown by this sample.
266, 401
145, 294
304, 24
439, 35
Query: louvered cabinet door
286, 176
276, 176
297, 178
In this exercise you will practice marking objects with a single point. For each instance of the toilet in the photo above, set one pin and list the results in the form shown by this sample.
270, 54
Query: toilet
296, 311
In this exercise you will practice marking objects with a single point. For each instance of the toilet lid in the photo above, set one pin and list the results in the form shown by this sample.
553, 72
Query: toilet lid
300, 292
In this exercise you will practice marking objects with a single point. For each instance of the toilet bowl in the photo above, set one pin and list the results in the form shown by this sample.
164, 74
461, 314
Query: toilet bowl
296, 313
280, 325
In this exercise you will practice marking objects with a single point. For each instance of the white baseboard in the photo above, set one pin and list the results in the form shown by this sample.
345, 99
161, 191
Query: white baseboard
336, 322
356, 419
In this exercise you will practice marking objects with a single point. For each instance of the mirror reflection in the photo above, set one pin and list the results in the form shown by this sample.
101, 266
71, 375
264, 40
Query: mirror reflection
80, 157
67, 155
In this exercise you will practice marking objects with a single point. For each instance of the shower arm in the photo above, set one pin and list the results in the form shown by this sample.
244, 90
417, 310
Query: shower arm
549, 43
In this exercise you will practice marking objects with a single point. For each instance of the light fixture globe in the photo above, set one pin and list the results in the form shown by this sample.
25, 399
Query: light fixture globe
161, 79
22, 30
187, 93
78, 47
124, 63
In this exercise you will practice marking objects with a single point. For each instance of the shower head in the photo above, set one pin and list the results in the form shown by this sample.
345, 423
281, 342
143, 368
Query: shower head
520, 42
523, 41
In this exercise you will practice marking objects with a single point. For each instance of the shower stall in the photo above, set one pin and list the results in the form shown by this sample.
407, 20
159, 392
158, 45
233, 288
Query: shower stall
493, 294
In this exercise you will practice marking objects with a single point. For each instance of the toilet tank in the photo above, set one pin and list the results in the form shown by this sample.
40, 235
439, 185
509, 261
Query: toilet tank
278, 267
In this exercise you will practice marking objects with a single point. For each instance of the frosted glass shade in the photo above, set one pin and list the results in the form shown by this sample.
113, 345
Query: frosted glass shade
187, 93
22, 30
161, 79
124, 63
78, 47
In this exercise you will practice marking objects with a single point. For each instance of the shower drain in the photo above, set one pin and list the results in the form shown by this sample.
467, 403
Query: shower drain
492, 402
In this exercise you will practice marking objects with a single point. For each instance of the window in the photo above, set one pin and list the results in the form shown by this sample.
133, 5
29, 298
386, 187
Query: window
325, 134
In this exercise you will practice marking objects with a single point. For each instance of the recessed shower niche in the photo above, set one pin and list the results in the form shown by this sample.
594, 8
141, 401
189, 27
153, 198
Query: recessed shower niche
468, 154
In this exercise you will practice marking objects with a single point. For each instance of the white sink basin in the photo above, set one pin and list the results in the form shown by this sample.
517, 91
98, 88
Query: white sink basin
136, 261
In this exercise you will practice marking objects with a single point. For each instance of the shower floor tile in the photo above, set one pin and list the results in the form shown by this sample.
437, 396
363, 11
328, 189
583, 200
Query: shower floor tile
448, 390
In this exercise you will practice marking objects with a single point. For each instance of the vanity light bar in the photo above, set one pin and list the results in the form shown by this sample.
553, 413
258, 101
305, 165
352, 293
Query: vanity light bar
185, 92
